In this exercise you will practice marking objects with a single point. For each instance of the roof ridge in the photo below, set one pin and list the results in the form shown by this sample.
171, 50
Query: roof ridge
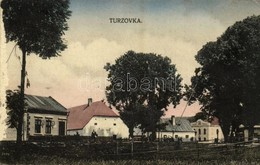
85, 104
76, 106
36, 95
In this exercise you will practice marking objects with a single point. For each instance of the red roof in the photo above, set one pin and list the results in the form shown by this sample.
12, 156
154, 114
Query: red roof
79, 116
214, 121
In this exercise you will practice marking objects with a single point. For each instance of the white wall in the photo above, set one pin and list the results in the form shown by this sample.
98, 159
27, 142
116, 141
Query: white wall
104, 126
75, 132
186, 136
211, 131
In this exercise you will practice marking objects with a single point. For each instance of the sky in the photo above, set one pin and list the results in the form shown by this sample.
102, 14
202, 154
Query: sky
174, 28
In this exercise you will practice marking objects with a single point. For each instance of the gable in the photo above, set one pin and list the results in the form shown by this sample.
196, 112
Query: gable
200, 123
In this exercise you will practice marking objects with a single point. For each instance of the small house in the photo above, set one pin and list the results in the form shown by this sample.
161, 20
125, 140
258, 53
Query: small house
95, 117
177, 128
44, 116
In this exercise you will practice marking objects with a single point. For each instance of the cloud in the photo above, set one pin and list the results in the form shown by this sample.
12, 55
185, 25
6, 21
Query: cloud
92, 42
92, 57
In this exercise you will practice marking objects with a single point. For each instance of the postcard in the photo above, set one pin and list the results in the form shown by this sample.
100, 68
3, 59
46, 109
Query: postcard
122, 55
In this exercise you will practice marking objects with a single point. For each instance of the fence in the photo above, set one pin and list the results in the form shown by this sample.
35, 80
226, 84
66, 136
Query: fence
118, 150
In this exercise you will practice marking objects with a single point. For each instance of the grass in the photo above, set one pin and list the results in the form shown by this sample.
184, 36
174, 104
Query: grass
55, 160
105, 154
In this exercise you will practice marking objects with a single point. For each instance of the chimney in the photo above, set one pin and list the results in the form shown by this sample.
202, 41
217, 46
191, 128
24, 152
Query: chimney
89, 101
173, 120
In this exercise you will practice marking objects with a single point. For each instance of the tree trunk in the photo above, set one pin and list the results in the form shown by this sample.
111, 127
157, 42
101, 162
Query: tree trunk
131, 132
21, 114
225, 129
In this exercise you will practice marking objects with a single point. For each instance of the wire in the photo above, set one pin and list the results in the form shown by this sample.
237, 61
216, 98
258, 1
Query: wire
11, 53
18, 57
189, 100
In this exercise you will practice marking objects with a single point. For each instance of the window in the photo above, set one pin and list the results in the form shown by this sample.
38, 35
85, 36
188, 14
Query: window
176, 136
48, 127
199, 131
186, 136
95, 123
205, 131
38, 125
199, 138
205, 139
114, 124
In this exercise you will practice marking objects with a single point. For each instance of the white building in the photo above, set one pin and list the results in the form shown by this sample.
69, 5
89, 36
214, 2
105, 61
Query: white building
245, 133
176, 128
98, 117
44, 116
207, 132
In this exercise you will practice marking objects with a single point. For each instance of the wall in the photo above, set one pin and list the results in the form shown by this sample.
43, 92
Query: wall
210, 134
54, 129
11, 132
75, 132
257, 130
186, 136
106, 126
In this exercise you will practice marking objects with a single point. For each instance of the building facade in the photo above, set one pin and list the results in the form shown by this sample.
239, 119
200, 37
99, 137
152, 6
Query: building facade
95, 117
43, 116
207, 132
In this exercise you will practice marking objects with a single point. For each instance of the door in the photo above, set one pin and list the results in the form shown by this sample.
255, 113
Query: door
61, 128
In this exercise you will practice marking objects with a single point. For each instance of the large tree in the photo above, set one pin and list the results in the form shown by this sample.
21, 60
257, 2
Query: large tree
37, 27
142, 85
227, 83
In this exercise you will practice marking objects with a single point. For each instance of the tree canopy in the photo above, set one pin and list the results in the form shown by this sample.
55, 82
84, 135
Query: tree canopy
36, 26
228, 79
142, 85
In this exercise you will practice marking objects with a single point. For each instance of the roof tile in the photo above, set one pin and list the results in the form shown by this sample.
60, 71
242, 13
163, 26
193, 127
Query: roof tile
79, 116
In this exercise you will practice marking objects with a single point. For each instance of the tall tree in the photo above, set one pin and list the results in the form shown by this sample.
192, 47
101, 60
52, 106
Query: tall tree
141, 84
37, 26
228, 79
